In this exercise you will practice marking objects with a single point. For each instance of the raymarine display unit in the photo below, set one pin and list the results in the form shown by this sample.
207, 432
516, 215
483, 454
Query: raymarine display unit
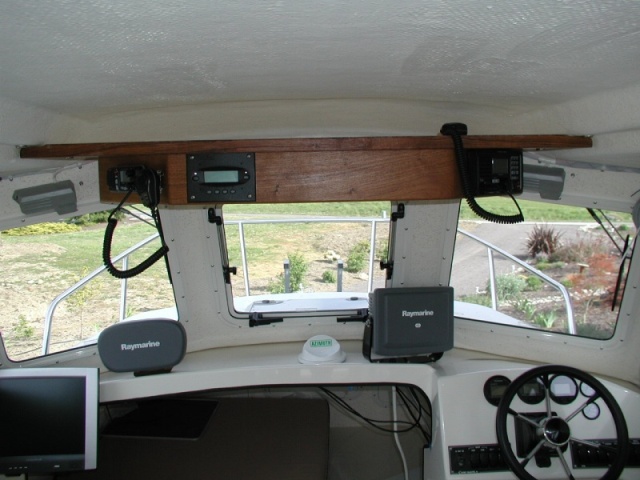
408, 322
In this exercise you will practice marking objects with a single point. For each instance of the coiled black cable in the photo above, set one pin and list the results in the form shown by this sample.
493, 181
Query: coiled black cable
112, 222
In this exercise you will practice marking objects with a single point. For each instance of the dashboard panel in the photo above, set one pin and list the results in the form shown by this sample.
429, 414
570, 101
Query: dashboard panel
465, 419
464, 443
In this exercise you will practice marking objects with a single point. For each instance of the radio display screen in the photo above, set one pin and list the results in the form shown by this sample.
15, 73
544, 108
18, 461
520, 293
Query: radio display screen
221, 176
500, 166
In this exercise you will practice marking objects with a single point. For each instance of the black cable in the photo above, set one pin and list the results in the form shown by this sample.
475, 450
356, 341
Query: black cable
599, 221
427, 412
619, 279
370, 421
112, 222
455, 131
418, 407
132, 272
421, 410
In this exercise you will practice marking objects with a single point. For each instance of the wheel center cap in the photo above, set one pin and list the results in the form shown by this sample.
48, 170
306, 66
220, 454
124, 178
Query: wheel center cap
557, 431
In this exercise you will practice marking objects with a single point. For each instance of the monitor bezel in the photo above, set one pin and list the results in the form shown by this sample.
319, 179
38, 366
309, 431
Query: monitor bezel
92, 402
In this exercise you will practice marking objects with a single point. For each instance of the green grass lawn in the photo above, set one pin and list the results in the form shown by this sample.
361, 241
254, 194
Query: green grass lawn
88, 243
533, 211
342, 209
81, 250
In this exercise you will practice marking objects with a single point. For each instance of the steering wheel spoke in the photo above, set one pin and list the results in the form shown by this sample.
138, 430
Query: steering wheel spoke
532, 453
588, 401
599, 446
588, 443
548, 435
524, 418
547, 396
564, 463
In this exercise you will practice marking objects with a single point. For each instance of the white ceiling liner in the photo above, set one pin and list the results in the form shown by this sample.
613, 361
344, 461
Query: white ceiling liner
87, 58
159, 70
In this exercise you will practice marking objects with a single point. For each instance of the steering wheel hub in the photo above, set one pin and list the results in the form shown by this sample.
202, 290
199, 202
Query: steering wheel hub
556, 431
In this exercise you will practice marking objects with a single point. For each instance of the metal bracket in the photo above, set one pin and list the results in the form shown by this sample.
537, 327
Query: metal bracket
256, 320
362, 314
399, 213
213, 218
227, 271
388, 266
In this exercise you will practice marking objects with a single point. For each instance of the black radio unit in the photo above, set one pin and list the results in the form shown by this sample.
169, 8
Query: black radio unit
221, 177
494, 172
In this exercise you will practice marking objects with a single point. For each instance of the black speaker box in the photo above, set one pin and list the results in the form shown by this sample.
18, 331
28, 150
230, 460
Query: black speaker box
143, 346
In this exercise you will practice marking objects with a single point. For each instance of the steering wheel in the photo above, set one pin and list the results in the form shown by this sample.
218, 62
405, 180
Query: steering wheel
547, 435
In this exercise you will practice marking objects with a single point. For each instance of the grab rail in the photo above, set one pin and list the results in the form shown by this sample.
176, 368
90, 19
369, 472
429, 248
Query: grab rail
48, 320
571, 325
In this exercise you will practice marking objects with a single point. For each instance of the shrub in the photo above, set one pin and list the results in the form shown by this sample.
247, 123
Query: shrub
358, 257
276, 285
382, 250
328, 276
545, 265
46, 228
546, 319
597, 279
567, 283
478, 299
533, 283
22, 330
509, 286
297, 270
593, 331
526, 307
581, 249
542, 240
95, 217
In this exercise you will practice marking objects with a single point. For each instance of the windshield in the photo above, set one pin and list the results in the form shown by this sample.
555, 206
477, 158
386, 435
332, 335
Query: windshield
306, 257
56, 294
560, 271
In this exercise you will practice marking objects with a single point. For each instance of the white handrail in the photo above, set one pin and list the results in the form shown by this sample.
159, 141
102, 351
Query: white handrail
48, 319
571, 325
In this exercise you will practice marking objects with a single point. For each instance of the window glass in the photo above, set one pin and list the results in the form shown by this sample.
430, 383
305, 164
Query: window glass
310, 257
41, 262
560, 274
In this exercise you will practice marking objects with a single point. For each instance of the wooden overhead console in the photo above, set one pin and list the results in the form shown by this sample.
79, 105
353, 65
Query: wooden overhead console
308, 169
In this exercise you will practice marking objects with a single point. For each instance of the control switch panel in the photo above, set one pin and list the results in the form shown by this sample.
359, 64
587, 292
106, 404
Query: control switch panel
476, 459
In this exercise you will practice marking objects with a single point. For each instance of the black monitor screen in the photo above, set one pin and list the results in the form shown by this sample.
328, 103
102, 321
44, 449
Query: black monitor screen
49, 423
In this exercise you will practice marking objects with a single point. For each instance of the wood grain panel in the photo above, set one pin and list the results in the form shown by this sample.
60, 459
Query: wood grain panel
315, 170
316, 176
356, 176
94, 150
174, 190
